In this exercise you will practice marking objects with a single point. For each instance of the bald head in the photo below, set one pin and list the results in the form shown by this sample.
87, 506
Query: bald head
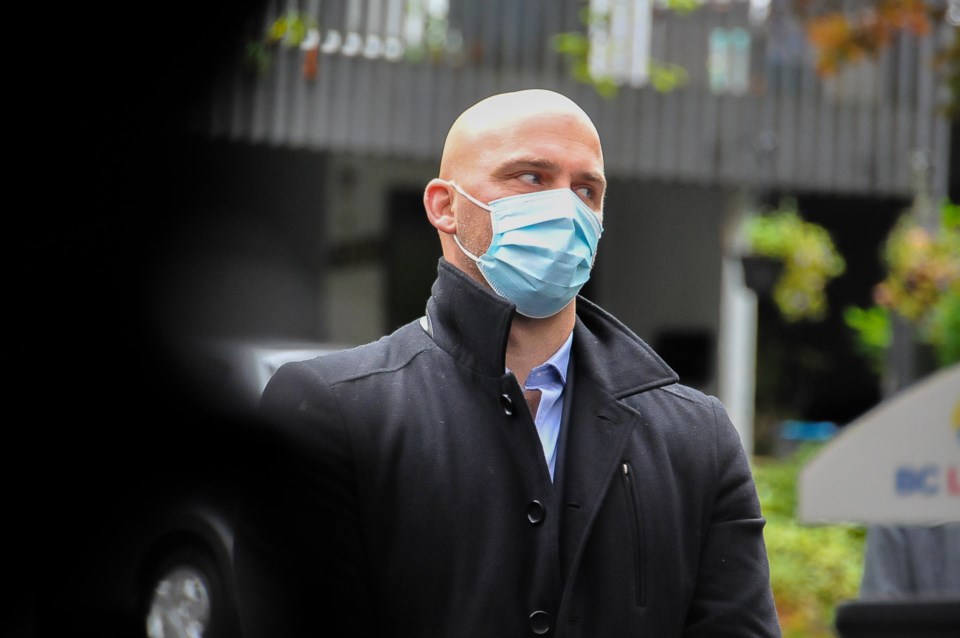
510, 144
491, 126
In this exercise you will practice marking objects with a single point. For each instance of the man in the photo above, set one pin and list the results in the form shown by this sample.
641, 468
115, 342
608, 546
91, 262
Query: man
911, 561
516, 462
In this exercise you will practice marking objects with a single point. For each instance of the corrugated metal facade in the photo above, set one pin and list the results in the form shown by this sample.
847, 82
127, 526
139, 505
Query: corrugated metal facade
785, 129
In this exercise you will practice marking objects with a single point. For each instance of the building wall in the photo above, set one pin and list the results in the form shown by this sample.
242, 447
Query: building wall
358, 227
240, 256
659, 264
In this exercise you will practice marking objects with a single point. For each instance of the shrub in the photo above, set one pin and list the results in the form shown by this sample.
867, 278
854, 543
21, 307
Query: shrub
812, 569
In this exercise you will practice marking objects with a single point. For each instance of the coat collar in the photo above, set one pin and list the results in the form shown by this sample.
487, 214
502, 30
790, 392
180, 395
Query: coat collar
472, 324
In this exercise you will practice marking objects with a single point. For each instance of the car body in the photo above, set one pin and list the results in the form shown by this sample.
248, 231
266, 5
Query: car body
185, 572
144, 547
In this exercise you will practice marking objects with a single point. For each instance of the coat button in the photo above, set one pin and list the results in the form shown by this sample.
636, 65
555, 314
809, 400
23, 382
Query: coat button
539, 622
535, 512
507, 404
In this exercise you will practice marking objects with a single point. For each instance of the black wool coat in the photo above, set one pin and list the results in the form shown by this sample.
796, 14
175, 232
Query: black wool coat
403, 491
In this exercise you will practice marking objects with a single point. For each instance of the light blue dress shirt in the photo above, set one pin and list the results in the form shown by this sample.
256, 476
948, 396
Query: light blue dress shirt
550, 378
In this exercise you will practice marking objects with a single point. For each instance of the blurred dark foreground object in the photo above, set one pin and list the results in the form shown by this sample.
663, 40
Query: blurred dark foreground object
876, 618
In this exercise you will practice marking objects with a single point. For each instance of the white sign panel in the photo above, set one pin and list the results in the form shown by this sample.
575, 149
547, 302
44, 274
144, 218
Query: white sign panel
897, 464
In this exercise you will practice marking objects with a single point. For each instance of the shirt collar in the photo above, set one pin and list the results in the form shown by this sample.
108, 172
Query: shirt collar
554, 369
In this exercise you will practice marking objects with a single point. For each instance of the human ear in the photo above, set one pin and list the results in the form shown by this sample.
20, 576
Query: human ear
438, 203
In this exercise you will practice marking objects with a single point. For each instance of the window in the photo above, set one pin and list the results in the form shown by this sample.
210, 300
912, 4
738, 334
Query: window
619, 32
728, 60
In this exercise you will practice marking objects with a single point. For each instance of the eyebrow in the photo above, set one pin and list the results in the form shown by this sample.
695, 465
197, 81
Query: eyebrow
544, 164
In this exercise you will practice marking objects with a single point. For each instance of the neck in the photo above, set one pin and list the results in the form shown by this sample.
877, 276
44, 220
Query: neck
533, 341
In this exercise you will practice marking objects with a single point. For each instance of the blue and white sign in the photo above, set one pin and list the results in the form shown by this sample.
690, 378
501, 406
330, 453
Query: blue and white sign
897, 464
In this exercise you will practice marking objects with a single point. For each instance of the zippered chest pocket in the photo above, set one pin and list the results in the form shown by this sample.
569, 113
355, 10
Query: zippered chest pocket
631, 495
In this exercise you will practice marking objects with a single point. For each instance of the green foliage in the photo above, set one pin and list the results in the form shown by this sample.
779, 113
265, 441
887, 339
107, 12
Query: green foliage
809, 256
289, 30
683, 7
434, 43
812, 569
575, 47
950, 215
667, 77
922, 286
257, 56
943, 329
923, 265
871, 327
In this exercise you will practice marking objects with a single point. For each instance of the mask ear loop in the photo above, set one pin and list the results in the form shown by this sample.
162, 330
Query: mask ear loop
456, 237
464, 250
473, 199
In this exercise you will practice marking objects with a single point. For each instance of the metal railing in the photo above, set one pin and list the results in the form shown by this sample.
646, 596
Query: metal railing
387, 77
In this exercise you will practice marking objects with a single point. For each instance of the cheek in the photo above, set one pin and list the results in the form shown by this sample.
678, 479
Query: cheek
475, 231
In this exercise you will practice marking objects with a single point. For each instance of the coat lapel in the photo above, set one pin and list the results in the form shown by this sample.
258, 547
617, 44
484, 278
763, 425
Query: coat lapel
597, 430
608, 363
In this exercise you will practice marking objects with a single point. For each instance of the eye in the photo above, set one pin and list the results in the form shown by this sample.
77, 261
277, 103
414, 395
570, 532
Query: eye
530, 178
585, 192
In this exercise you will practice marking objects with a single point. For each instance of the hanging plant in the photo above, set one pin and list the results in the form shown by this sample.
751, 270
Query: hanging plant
807, 254
923, 266
922, 286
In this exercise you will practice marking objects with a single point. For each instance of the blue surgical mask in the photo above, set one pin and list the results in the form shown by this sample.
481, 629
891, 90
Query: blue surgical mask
542, 248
